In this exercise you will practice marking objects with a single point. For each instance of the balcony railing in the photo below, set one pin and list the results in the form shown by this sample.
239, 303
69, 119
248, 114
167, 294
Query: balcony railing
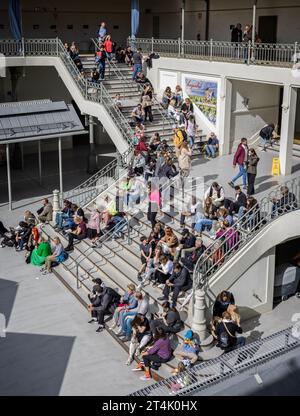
279, 54
95, 92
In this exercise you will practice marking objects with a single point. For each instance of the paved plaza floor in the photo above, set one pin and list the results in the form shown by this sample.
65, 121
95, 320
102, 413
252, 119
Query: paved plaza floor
49, 348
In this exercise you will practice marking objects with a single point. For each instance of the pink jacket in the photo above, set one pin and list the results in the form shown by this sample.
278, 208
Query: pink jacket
94, 222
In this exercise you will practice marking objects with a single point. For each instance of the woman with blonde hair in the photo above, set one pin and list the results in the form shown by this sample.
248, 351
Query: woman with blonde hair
169, 242
58, 255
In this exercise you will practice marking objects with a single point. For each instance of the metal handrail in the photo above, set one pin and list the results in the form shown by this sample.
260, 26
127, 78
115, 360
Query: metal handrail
244, 230
211, 372
55, 47
284, 54
116, 70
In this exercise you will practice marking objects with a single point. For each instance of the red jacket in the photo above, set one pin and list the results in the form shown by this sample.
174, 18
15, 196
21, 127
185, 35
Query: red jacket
142, 147
108, 46
240, 155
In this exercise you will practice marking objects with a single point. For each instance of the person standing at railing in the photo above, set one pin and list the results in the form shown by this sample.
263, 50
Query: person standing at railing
147, 100
241, 159
101, 61
128, 56
137, 63
102, 32
247, 37
237, 34
108, 46
287, 202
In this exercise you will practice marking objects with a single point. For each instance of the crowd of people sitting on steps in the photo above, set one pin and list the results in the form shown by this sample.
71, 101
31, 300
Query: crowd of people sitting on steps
168, 256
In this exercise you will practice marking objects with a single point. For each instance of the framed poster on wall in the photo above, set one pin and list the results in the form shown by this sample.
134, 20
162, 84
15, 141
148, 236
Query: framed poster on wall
204, 94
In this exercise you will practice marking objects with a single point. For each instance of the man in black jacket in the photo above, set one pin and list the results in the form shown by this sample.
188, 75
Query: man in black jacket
266, 134
104, 303
240, 200
189, 258
226, 334
179, 280
186, 243
237, 34
285, 203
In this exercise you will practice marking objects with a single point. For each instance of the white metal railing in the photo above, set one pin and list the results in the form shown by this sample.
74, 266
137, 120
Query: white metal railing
127, 85
279, 54
95, 92
208, 373
244, 230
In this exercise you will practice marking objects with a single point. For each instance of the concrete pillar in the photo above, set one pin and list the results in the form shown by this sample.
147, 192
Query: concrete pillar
225, 116
92, 158
60, 171
8, 177
56, 205
287, 129
199, 320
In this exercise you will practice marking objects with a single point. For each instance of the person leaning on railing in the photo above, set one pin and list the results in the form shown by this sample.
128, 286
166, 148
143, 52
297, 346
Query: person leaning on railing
287, 202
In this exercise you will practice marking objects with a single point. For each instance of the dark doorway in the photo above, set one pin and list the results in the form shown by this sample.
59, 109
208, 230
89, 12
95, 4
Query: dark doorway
156, 27
267, 29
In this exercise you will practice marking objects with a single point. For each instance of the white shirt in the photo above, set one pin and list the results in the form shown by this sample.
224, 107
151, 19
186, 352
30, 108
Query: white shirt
168, 267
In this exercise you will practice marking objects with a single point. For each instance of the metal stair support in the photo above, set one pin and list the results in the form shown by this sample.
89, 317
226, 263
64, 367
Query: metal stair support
210, 373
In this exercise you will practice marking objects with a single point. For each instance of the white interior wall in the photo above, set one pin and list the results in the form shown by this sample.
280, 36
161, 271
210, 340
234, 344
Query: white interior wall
297, 124
262, 109
117, 13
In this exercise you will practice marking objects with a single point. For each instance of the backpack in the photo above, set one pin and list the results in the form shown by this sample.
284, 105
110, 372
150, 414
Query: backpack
115, 297
178, 138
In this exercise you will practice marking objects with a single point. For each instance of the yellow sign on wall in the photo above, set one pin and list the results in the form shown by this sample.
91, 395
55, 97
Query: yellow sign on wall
275, 166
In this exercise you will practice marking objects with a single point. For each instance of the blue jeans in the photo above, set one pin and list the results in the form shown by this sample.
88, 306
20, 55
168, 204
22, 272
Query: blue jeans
191, 140
240, 342
126, 326
242, 172
202, 224
102, 69
241, 212
210, 150
136, 69
59, 219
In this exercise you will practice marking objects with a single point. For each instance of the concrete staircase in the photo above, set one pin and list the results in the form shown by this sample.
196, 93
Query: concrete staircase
118, 81
117, 262
276, 147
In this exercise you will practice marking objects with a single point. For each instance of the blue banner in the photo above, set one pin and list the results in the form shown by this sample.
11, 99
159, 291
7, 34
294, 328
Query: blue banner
135, 18
15, 18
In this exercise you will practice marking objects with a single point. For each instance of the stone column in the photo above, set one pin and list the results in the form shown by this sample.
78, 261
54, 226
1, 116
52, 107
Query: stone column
225, 116
199, 320
92, 158
56, 206
287, 129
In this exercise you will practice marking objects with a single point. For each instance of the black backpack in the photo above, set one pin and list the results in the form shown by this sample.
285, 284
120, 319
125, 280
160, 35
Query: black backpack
115, 297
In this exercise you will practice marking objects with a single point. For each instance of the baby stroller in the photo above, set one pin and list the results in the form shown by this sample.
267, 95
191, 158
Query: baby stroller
114, 229
9, 238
